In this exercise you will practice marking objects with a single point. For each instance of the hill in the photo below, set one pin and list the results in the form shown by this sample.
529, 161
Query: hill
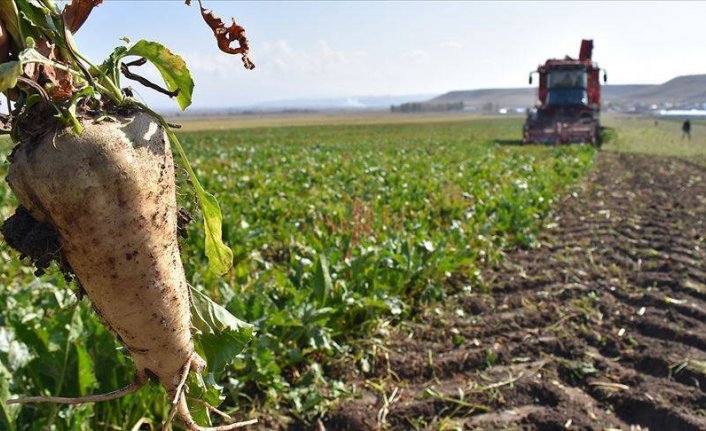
682, 89
690, 89
515, 97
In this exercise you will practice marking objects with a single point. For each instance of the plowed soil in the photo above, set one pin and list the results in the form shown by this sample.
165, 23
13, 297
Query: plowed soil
602, 327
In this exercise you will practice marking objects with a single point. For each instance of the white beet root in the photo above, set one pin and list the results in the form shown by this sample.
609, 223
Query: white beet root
110, 195
98, 195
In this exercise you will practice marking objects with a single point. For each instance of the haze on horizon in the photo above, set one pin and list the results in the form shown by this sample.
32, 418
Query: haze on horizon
313, 50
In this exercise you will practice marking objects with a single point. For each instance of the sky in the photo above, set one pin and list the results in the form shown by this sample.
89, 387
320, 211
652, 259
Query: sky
317, 49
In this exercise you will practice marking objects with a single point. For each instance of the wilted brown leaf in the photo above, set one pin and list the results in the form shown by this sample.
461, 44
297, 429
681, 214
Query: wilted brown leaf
75, 14
227, 35
62, 90
59, 82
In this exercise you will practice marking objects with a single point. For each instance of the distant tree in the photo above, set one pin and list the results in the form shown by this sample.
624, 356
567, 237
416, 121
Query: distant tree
427, 107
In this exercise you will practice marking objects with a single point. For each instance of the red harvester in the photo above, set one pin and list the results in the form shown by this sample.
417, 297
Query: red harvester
569, 101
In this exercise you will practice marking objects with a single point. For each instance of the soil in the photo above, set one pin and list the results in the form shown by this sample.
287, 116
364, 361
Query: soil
36, 240
601, 327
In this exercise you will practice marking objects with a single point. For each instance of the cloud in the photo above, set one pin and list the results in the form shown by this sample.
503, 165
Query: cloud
284, 69
416, 56
451, 44
277, 57
218, 64
311, 69
281, 56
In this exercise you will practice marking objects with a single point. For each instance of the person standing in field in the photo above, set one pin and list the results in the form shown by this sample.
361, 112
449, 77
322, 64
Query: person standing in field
686, 129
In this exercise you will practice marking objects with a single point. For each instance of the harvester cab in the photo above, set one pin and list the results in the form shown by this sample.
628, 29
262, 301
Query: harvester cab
568, 102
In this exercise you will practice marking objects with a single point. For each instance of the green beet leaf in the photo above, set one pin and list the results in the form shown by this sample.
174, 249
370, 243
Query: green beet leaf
221, 335
37, 17
171, 66
86, 378
9, 16
9, 72
220, 256
8, 414
322, 280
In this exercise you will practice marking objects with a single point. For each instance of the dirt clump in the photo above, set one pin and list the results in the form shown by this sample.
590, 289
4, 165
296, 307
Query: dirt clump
35, 240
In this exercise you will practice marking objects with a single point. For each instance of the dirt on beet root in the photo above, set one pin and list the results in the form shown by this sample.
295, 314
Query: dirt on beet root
39, 242
603, 326
35, 240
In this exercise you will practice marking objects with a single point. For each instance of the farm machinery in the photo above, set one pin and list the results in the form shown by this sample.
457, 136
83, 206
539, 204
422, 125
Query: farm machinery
569, 101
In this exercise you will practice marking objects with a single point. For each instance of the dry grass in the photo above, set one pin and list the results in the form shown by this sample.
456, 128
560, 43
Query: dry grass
663, 138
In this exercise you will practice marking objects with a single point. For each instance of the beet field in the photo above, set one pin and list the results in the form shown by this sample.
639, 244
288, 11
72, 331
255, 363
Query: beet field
340, 233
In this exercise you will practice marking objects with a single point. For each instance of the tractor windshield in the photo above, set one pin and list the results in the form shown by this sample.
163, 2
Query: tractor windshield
558, 78
567, 87
567, 96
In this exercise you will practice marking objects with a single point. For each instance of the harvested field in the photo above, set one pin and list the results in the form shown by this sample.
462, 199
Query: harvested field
602, 327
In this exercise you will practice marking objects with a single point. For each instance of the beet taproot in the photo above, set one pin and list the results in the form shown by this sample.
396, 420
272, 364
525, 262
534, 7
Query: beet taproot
94, 175
110, 194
